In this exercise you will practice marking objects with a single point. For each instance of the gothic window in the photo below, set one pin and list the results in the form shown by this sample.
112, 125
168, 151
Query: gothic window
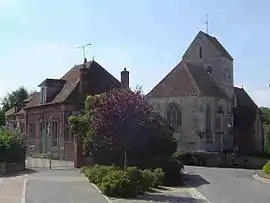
218, 120
208, 122
200, 52
174, 115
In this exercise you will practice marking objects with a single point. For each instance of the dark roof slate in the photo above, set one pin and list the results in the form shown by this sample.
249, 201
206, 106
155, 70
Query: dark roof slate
99, 79
218, 46
186, 79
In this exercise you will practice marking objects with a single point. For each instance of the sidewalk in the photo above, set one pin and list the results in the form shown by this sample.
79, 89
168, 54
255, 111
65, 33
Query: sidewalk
11, 189
57, 186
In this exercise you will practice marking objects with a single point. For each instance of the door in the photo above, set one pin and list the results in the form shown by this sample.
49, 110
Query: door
42, 138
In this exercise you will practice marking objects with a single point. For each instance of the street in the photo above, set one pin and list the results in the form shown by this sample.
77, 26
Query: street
220, 185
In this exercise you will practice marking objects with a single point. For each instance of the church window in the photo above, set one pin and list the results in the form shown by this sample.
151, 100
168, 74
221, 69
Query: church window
174, 115
200, 52
208, 123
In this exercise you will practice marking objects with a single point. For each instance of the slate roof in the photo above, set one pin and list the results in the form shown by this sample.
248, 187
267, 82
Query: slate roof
218, 46
99, 79
243, 99
186, 79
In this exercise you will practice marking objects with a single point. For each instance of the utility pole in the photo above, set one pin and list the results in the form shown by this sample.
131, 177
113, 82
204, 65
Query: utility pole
83, 47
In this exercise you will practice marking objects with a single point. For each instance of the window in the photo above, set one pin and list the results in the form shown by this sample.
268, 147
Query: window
174, 115
218, 120
200, 52
54, 134
32, 132
208, 123
42, 95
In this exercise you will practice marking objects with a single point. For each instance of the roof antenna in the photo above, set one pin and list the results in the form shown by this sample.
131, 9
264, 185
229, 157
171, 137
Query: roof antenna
83, 50
206, 23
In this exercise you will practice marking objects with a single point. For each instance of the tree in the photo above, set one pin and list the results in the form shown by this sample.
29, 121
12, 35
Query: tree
15, 97
121, 124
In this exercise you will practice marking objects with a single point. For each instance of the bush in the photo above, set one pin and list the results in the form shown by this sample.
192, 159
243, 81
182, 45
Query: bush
191, 158
135, 175
158, 177
172, 169
97, 172
118, 184
266, 168
148, 178
12, 146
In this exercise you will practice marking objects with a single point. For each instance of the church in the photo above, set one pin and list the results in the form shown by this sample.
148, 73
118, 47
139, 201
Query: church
198, 98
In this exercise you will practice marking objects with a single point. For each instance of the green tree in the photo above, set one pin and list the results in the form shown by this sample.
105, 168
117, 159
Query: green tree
15, 97
121, 124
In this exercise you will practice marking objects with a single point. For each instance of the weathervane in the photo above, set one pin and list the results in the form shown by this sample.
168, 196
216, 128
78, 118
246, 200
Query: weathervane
83, 49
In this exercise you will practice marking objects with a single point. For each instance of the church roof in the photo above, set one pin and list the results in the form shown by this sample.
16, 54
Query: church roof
218, 45
243, 99
186, 79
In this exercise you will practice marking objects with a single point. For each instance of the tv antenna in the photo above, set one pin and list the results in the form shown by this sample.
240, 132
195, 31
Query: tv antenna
83, 47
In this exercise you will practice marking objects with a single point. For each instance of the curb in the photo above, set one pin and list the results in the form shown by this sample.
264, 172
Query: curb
97, 189
259, 178
195, 194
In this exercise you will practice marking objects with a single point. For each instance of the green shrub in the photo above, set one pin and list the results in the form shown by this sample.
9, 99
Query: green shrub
172, 169
97, 172
118, 184
158, 177
12, 146
266, 168
148, 178
135, 175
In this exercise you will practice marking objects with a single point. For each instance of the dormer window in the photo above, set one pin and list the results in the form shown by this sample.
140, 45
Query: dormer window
43, 95
200, 52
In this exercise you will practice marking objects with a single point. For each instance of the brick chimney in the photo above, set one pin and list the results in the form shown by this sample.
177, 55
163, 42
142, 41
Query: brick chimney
125, 78
83, 75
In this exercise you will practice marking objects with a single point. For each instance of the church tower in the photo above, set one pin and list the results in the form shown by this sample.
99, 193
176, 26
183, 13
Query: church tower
207, 52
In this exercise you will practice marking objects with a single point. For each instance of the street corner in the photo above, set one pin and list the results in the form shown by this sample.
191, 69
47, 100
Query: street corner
260, 177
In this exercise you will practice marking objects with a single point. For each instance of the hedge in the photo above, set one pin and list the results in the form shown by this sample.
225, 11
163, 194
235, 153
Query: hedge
12, 146
115, 182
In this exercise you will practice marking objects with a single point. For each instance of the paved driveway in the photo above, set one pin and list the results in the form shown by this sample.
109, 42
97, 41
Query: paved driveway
60, 186
220, 185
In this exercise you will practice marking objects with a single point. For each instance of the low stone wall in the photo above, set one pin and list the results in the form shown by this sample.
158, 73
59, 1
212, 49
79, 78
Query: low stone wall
8, 168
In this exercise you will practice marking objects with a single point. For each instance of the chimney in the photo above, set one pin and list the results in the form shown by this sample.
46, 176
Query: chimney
83, 73
125, 79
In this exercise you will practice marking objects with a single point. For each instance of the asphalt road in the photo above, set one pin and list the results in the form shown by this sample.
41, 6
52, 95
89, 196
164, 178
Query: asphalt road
221, 185
60, 186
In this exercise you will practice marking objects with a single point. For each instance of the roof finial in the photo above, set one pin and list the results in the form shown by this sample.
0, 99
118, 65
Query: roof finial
93, 58
206, 23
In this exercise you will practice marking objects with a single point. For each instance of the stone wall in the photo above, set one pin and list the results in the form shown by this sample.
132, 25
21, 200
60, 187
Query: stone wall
193, 120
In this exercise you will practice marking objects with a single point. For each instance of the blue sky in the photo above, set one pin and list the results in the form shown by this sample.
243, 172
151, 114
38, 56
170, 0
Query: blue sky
38, 39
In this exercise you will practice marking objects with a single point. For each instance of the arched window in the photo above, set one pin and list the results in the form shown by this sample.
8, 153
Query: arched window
174, 115
208, 122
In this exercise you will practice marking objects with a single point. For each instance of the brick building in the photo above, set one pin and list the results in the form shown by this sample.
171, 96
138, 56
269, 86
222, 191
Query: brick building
44, 116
